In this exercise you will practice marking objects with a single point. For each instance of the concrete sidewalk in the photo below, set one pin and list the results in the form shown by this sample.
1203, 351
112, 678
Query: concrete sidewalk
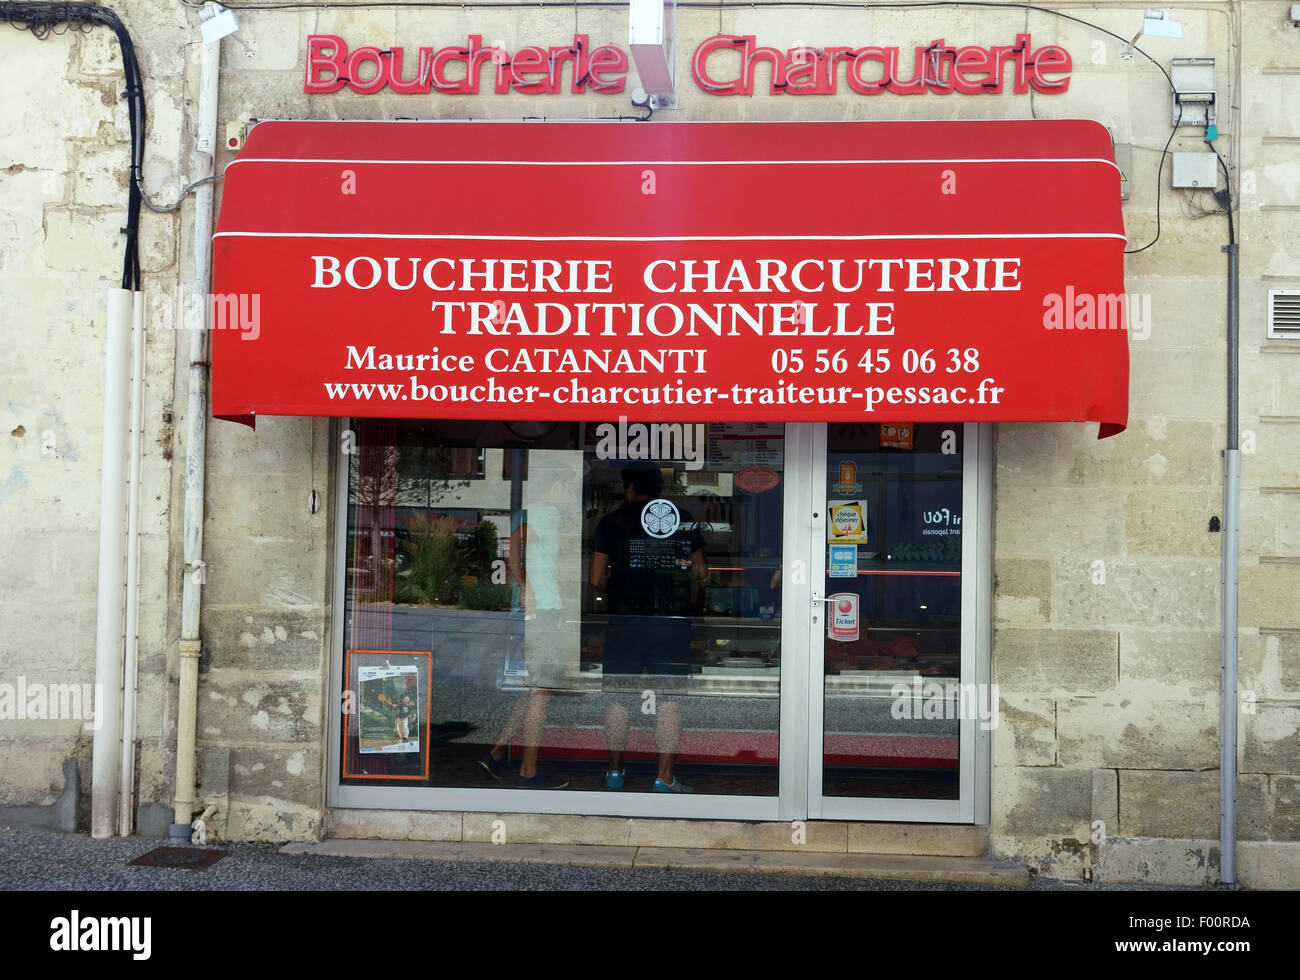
877, 867
45, 860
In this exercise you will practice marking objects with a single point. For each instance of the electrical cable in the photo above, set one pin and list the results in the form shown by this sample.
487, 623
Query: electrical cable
180, 198
1160, 171
1226, 199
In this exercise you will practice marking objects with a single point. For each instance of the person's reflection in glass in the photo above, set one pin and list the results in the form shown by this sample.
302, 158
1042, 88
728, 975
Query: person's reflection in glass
648, 557
532, 562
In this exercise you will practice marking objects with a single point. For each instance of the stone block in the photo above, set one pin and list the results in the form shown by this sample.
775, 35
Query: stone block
34, 770
1040, 522
1269, 665
102, 176
99, 53
1258, 526
919, 839
820, 836
80, 241
270, 819
255, 573
394, 824
1266, 596
1269, 865
1027, 733
541, 828
1172, 523
1170, 863
1169, 804
1105, 802
59, 814
1022, 592
1175, 383
1046, 802
1028, 455
276, 40
239, 707
1187, 659
1270, 738
1133, 727
267, 638
1287, 510
1179, 593
1029, 661
1284, 807
1153, 451
291, 773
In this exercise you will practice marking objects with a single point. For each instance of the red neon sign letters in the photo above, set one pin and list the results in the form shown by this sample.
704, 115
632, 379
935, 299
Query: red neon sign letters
725, 64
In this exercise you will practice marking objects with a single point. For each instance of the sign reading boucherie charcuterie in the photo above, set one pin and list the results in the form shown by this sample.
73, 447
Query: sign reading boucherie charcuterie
725, 64
574, 271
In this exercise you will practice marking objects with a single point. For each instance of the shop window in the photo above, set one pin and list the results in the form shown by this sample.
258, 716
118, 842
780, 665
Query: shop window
616, 586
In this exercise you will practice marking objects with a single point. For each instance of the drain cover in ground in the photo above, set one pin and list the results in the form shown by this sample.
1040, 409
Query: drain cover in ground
194, 858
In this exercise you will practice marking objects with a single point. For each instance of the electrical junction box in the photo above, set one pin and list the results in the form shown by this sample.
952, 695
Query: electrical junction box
1194, 170
1195, 92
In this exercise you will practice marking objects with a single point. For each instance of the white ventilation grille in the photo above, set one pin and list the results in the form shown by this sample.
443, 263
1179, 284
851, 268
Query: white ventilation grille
1284, 314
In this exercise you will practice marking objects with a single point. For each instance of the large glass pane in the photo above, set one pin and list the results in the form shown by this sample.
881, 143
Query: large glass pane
584, 606
893, 496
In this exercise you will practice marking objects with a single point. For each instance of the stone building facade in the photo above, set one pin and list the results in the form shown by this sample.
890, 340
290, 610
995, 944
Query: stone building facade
1106, 580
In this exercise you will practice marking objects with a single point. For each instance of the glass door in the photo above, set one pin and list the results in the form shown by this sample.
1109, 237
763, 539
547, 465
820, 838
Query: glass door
898, 713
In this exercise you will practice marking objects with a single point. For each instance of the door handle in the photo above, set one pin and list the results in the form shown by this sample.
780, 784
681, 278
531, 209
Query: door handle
821, 598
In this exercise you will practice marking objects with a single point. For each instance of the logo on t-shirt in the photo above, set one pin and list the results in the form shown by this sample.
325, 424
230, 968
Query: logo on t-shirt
660, 519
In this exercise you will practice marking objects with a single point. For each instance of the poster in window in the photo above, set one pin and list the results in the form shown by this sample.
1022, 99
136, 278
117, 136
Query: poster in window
388, 718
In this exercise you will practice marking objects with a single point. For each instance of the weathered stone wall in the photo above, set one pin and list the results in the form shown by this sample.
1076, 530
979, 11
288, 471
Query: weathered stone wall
1106, 643
64, 154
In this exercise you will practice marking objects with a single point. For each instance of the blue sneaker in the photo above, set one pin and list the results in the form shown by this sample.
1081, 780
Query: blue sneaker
490, 765
614, 779
676, 786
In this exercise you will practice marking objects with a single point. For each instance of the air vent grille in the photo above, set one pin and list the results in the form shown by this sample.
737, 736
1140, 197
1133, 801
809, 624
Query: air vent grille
1284, 314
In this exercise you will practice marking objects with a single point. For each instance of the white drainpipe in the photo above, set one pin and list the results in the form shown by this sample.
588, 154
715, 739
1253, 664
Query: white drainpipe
196, 429
126, 793
107, 740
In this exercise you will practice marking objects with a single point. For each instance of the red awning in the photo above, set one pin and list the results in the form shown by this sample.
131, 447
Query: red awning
864, 271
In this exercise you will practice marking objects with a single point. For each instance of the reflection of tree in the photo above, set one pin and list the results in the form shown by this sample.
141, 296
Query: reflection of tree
424, 473
383, 477
373, 483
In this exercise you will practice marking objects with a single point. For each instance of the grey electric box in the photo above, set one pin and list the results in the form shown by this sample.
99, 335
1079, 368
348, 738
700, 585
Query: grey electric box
1196, 170
1195, 92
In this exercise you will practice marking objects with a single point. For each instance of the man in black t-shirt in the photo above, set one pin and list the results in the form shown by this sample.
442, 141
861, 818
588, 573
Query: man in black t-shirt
648, 557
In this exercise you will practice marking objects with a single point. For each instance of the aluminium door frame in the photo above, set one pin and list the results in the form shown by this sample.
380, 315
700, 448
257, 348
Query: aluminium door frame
972, 804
